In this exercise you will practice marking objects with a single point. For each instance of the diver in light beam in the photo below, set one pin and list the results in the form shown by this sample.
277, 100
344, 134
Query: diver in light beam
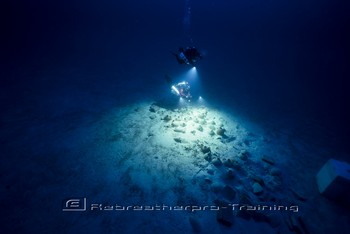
189, 55
181, 89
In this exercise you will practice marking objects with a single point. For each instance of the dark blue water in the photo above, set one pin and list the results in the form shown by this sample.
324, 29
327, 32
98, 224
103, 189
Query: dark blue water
279, 64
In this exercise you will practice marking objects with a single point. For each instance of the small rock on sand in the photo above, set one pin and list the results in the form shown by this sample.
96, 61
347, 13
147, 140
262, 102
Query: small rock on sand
268, 160
217, 162
221, 131
154, 108
257, 189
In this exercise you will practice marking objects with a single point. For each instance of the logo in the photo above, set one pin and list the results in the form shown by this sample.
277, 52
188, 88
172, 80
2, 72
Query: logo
74, 204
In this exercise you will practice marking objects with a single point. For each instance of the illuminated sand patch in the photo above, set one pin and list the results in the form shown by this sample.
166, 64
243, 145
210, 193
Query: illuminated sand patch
193, 155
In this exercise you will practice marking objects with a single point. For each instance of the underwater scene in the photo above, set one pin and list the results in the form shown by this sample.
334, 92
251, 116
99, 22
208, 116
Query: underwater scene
175, 116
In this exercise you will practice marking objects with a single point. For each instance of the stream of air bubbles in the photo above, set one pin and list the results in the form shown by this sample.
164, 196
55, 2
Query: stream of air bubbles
187, 21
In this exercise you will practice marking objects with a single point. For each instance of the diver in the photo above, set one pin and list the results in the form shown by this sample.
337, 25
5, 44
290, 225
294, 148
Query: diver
181, 89
188, 56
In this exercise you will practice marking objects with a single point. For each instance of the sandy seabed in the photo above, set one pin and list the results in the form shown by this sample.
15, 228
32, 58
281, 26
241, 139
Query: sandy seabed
153, 168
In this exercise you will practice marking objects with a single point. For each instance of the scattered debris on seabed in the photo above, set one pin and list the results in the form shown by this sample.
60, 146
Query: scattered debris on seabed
197, 156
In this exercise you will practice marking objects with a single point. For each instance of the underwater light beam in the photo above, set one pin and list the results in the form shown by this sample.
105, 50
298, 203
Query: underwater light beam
201, 101
175, 89
192, 73
181, 101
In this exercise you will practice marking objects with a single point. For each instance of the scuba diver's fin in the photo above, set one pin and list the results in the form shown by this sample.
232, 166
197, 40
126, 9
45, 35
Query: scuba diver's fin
177, 58
168, 80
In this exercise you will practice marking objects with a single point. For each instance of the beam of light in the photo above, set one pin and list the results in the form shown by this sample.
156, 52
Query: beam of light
192, 73
175, 89
182, 101
201, 100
